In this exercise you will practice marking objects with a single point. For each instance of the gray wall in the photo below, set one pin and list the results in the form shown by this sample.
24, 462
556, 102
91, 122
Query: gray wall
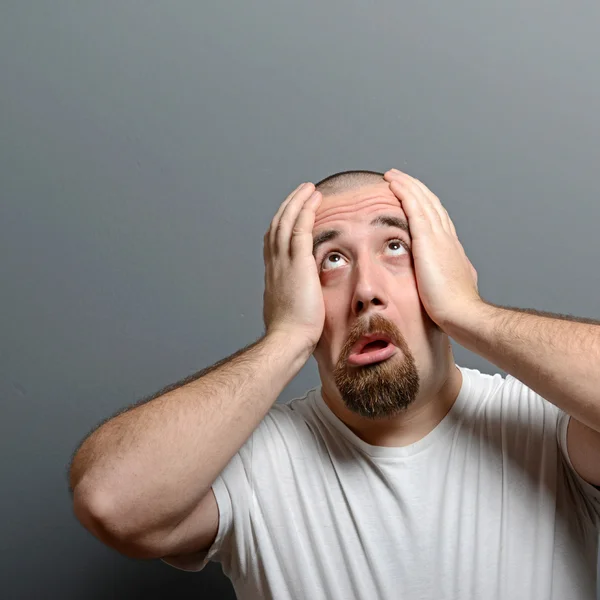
144, 148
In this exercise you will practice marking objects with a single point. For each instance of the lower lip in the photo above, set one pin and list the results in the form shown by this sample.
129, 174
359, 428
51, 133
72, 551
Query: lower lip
366, 358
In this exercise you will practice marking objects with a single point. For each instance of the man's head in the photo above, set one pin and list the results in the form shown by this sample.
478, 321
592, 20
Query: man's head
362, 247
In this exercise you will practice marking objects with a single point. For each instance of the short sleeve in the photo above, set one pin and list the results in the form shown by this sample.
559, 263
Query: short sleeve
252, 488
587, 493
197, 561
234, 489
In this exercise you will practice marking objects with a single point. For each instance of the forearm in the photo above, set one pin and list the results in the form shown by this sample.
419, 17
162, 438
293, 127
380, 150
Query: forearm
557, 356
149, 467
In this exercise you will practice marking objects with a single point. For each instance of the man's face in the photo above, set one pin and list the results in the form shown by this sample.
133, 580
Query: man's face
368, 283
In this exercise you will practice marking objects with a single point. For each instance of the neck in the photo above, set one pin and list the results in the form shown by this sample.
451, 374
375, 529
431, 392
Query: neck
436, 397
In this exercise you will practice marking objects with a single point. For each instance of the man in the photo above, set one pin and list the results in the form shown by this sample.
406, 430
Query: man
402, 475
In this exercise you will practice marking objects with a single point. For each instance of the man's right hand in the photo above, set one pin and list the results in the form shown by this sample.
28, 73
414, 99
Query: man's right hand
293, 300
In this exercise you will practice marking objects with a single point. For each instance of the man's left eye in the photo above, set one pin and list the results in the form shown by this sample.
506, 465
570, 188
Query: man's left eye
397, 245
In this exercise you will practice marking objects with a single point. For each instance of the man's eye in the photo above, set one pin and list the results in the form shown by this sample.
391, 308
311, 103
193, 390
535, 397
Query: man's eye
328, 266
333, 260
397, 245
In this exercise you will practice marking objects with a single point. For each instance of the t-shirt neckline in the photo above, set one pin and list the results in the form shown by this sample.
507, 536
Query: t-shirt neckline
442, 428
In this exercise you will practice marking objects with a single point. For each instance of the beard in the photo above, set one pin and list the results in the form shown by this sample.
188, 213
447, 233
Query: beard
382, 389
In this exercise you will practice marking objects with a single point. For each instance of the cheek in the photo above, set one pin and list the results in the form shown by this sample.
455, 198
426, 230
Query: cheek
409, 298
403, 290
334, 327
335, 298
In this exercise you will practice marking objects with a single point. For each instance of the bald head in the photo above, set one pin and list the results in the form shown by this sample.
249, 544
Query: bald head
347, 181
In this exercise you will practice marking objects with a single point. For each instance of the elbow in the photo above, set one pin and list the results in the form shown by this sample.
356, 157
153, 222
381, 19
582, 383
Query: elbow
93, 511
96, 512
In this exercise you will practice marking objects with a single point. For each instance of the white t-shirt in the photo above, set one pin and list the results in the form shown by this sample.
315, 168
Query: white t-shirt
486, 506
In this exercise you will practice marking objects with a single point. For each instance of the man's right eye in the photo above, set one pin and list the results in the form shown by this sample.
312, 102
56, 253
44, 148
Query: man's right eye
329, 266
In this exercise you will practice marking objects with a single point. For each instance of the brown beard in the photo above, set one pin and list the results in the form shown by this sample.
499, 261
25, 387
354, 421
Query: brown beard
381, 389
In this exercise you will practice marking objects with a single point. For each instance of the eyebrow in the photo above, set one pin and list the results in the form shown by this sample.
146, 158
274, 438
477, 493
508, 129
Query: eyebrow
380, 221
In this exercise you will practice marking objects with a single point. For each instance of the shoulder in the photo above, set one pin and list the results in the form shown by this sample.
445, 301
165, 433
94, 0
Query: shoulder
504, 393
478, 390
510, 413
479, 383
288, 429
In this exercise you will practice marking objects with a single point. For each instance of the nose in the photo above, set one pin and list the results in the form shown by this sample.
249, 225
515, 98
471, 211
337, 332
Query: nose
368, 289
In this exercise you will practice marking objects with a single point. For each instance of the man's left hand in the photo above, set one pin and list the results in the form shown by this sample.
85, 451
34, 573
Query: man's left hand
446, 279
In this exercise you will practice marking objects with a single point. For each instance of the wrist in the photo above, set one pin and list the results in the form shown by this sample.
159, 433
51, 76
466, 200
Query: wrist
472, 324
291, 342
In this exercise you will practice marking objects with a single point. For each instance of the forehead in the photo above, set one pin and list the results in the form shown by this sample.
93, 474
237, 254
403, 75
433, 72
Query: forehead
359, 205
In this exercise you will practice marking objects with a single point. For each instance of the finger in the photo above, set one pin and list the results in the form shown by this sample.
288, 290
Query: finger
266, 246
441, 211
288, 218
302, 240
430, 203
426, 197
277, 217
412, 206
473, 270
452, 228
437, 205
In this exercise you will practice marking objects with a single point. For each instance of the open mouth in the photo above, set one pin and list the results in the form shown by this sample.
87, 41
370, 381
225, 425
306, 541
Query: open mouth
371, 342
376, 345
370, 349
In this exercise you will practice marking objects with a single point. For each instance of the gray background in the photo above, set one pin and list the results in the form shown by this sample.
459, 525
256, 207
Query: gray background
145, 147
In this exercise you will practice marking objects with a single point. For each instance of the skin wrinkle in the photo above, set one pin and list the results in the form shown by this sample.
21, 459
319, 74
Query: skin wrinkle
335, 212
385, 221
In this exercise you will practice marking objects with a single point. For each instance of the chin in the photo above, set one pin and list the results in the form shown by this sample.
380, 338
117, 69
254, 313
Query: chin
378, 390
